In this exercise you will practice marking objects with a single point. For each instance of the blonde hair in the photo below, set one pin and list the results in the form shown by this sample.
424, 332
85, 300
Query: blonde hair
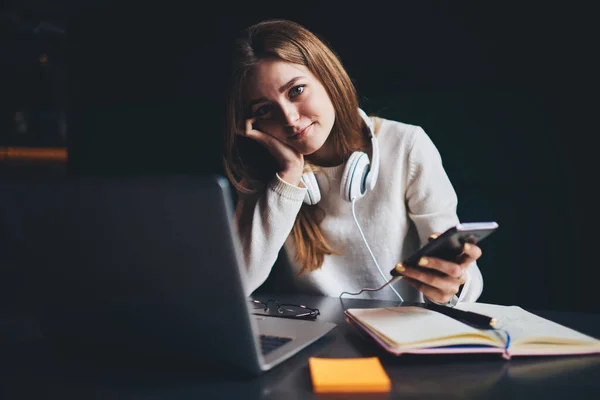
248, 165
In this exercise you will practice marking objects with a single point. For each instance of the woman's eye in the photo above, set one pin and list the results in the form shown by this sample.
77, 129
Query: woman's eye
296, 90
262, 111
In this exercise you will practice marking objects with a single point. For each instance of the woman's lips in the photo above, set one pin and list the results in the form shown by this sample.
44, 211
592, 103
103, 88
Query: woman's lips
302, 133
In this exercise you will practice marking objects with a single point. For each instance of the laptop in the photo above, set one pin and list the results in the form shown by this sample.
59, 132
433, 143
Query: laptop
142, 265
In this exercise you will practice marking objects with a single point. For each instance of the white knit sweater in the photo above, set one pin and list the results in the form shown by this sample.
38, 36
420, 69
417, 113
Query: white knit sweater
412, 199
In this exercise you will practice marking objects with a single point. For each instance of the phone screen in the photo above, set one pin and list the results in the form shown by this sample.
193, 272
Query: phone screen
448, 246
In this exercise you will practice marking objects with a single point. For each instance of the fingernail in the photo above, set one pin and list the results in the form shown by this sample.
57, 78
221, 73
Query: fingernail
423, 261
467, 246
400, 267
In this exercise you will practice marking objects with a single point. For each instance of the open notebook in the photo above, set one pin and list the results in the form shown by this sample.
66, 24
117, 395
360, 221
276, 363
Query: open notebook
418, 330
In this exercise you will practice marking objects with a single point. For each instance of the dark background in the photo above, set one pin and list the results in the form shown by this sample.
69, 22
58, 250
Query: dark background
505, 90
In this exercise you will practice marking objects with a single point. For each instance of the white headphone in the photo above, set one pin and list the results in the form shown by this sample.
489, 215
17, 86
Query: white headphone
359, 174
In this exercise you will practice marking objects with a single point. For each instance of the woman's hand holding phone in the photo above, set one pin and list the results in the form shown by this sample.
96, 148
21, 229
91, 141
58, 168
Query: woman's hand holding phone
440, 279
290, 161
439, 268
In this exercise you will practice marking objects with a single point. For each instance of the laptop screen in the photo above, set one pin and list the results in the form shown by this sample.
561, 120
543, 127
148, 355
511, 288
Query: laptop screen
142, 264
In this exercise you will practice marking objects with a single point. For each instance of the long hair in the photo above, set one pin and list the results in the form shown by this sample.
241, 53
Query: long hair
248, 165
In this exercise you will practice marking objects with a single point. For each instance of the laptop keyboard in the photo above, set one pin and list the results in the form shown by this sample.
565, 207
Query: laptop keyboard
269, 343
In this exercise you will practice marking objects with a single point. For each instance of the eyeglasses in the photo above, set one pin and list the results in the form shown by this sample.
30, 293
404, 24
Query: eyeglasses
273, 308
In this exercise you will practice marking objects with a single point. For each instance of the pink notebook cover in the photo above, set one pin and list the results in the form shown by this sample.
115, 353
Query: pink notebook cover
506, 353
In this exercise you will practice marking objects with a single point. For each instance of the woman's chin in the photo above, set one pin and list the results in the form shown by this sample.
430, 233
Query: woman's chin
307, 149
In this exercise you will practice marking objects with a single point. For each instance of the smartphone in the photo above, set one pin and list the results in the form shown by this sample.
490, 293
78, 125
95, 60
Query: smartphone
449, 244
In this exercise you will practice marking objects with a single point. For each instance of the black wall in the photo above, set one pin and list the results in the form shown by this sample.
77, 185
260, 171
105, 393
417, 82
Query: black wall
503, 90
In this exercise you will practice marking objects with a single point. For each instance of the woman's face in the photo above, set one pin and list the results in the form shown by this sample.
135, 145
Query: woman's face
290, 103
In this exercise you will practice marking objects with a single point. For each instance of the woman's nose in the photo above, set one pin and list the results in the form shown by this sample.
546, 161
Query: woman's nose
291, 115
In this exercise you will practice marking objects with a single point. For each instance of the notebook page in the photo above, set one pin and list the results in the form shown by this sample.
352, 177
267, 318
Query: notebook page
524, 326
410, 325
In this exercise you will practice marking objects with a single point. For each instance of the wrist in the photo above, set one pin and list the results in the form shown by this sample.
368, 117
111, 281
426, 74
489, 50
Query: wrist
451, 303
291, 176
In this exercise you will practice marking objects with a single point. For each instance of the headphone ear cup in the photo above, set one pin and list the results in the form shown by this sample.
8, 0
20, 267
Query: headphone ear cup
353, 185
313, 194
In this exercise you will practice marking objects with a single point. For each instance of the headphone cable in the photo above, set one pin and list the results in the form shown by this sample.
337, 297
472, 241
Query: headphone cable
388, 282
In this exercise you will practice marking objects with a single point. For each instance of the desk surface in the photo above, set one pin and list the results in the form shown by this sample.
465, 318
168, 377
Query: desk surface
34, 369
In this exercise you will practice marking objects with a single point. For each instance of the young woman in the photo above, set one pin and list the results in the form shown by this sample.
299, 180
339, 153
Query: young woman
318, 178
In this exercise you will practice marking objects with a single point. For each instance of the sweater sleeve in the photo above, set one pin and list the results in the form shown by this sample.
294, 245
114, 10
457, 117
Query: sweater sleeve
432, 202
264, 222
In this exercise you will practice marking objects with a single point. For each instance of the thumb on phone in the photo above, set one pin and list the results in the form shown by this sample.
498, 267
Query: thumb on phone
433, 236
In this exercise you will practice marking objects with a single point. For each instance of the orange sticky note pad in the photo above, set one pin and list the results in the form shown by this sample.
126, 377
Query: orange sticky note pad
348, 375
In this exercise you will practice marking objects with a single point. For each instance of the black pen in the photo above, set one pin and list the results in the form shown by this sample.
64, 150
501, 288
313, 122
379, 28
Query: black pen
468, 317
